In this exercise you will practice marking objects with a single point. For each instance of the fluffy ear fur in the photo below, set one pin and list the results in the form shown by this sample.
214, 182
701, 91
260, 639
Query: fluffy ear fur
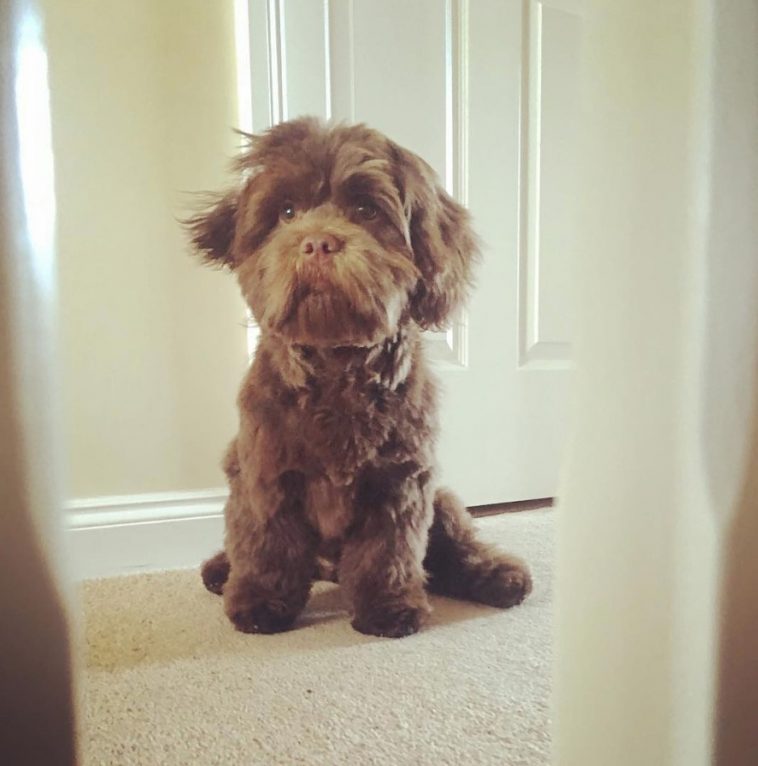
212, 231
443, 242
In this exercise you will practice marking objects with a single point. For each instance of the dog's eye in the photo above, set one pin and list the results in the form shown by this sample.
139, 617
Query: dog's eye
287, 211
366, 209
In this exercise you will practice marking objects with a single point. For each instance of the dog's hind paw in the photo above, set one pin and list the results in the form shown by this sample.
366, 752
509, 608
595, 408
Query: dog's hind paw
507, 584
215, 573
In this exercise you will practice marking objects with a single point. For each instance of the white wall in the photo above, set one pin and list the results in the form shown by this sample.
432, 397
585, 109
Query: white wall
730, 364
143, 106
36, 701
657, 540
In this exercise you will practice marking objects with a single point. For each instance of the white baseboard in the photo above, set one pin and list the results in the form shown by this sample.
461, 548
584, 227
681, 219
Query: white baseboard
118, 535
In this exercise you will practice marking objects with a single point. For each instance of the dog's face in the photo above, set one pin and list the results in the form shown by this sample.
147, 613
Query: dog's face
338, 236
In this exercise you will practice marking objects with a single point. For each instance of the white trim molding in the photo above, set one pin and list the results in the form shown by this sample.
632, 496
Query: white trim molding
119, 535
539, 347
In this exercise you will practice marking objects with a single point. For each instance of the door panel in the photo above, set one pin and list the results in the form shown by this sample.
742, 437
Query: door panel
484, 91
553, 38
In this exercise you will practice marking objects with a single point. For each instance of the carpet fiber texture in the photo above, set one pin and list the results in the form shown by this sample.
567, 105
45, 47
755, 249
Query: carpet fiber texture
168, 681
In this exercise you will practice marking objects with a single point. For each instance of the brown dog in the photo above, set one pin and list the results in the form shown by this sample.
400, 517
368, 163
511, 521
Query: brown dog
345, 247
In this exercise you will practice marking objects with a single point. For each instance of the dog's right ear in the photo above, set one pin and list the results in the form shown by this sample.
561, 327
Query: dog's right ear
212, 231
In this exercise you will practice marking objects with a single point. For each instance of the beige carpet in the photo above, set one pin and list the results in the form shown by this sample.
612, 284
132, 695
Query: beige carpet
168, 681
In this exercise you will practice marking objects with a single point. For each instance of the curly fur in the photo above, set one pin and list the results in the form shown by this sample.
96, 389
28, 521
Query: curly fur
345, 247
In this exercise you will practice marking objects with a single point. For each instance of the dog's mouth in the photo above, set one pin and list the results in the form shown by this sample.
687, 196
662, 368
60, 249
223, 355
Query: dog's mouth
321, 311
317, 275
352, 297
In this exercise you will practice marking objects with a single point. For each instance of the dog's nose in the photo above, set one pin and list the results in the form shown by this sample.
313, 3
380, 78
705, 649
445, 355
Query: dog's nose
320, 244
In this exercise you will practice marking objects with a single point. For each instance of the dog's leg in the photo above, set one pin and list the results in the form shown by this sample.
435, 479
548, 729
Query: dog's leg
215, 571
381, 565
463, 567
272, 563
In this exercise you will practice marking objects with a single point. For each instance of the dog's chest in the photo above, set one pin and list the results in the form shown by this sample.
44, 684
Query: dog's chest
342, 425
328, 508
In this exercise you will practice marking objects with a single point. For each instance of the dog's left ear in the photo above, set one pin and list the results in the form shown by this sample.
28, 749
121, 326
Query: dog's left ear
212, 231
444, 245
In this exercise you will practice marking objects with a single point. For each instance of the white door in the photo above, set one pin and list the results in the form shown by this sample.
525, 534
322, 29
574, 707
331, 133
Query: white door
484, 91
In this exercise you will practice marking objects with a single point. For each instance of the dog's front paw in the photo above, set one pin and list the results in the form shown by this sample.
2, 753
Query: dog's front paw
262, 617
391, 621
507, 584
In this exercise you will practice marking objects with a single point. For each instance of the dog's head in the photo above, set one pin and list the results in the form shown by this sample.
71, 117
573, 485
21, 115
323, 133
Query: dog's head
338, 236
